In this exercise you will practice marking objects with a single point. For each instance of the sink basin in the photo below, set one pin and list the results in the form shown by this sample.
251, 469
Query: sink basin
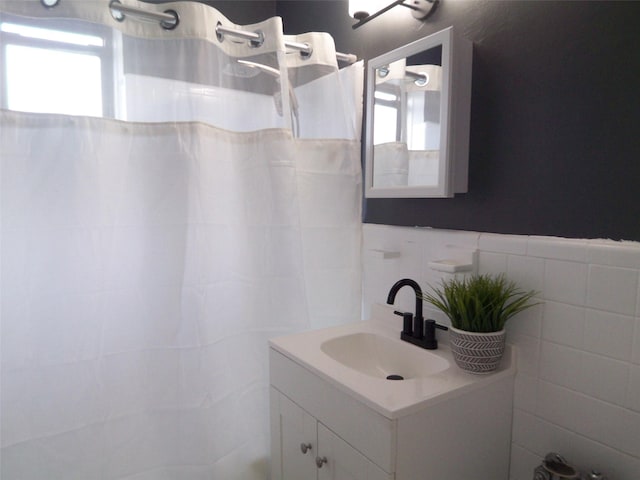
382, 357
356, 358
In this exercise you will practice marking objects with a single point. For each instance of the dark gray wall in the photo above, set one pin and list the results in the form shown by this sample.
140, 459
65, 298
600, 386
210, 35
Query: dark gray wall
555, 128
244, 11
241, 12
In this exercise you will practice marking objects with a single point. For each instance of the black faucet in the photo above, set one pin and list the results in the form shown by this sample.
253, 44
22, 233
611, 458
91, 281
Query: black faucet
421, 333
418, 291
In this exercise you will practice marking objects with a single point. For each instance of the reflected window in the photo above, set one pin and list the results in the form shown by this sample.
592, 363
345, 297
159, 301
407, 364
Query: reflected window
386, 128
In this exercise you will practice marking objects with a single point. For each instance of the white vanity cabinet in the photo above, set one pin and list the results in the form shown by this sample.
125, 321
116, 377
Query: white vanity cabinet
457, 428
303, 448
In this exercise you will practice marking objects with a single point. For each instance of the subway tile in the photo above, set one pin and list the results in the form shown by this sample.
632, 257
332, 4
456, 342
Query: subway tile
591, 455
559, 364
525, 392
538, 436
528, 322
528, 352
592, 375
455, 238
549, 437
492, 263
633, 389
522, 464
556, 405
433, 279
612, 289
524, 428
534, 437
586, 454
614, 254
526, 272
412, 234
609, 424
512, 244
381, 237
609, 334
574, 393
635, 355
410, 263
564, 324
558, 248
565, 282
601, 377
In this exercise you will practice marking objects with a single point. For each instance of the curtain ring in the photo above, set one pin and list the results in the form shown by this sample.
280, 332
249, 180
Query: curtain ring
219, 34
117, 15
306, 53
258, 41
170, 24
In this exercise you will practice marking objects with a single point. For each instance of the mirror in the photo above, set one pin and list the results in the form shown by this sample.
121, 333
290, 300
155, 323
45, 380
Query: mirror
417, 122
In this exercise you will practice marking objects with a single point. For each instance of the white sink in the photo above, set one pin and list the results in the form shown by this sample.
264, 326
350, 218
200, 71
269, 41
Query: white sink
381, 357
358, 357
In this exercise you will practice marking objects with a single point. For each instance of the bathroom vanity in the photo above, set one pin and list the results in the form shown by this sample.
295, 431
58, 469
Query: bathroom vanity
334, 414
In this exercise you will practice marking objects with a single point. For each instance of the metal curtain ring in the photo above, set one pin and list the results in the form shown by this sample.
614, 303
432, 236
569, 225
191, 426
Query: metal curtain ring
170, 24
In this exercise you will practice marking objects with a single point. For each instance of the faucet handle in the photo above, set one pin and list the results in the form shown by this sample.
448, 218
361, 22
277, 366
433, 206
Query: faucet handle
432, 324
430, 333
407, 321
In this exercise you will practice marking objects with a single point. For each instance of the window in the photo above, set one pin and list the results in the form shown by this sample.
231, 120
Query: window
387, 127
62, 69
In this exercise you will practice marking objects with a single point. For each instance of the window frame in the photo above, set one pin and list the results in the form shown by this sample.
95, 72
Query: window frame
105, 52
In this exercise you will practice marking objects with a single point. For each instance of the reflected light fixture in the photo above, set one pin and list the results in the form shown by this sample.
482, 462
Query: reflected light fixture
360, 9
366, 10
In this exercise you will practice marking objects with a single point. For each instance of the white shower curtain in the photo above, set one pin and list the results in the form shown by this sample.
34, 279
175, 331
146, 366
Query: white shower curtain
150, 252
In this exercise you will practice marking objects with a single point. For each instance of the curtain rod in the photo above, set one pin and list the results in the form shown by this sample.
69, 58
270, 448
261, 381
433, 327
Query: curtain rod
169, 20
304, 48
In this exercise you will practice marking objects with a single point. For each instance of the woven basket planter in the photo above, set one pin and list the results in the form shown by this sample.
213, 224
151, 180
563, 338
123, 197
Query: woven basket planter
477, 352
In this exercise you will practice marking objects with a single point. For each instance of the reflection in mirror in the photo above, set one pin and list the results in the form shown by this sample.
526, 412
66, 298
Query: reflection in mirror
409, 118
406, 120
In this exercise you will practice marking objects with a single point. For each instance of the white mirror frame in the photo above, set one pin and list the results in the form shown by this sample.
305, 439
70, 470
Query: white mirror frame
455, 110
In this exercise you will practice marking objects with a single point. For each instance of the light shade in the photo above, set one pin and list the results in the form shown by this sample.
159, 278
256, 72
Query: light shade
360, 9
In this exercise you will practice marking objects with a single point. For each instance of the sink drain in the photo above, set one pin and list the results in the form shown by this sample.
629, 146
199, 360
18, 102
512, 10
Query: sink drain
395, 377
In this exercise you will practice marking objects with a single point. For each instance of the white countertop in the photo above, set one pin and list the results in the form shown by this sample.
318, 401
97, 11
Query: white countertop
393, 399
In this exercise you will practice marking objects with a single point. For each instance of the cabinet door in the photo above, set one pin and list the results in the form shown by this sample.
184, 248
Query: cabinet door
343, 462
298, 442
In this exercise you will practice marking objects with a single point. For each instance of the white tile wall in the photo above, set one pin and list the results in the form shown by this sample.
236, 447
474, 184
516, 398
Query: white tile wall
578, 386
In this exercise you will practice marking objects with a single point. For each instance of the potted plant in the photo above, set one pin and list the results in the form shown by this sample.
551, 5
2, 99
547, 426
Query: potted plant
478, 308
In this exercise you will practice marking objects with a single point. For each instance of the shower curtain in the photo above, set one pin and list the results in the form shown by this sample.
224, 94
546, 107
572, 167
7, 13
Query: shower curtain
151, 249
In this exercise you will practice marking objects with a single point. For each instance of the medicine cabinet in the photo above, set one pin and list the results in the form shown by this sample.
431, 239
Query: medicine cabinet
417, 118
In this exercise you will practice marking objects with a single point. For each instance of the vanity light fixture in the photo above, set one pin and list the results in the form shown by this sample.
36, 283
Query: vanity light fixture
366, 10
